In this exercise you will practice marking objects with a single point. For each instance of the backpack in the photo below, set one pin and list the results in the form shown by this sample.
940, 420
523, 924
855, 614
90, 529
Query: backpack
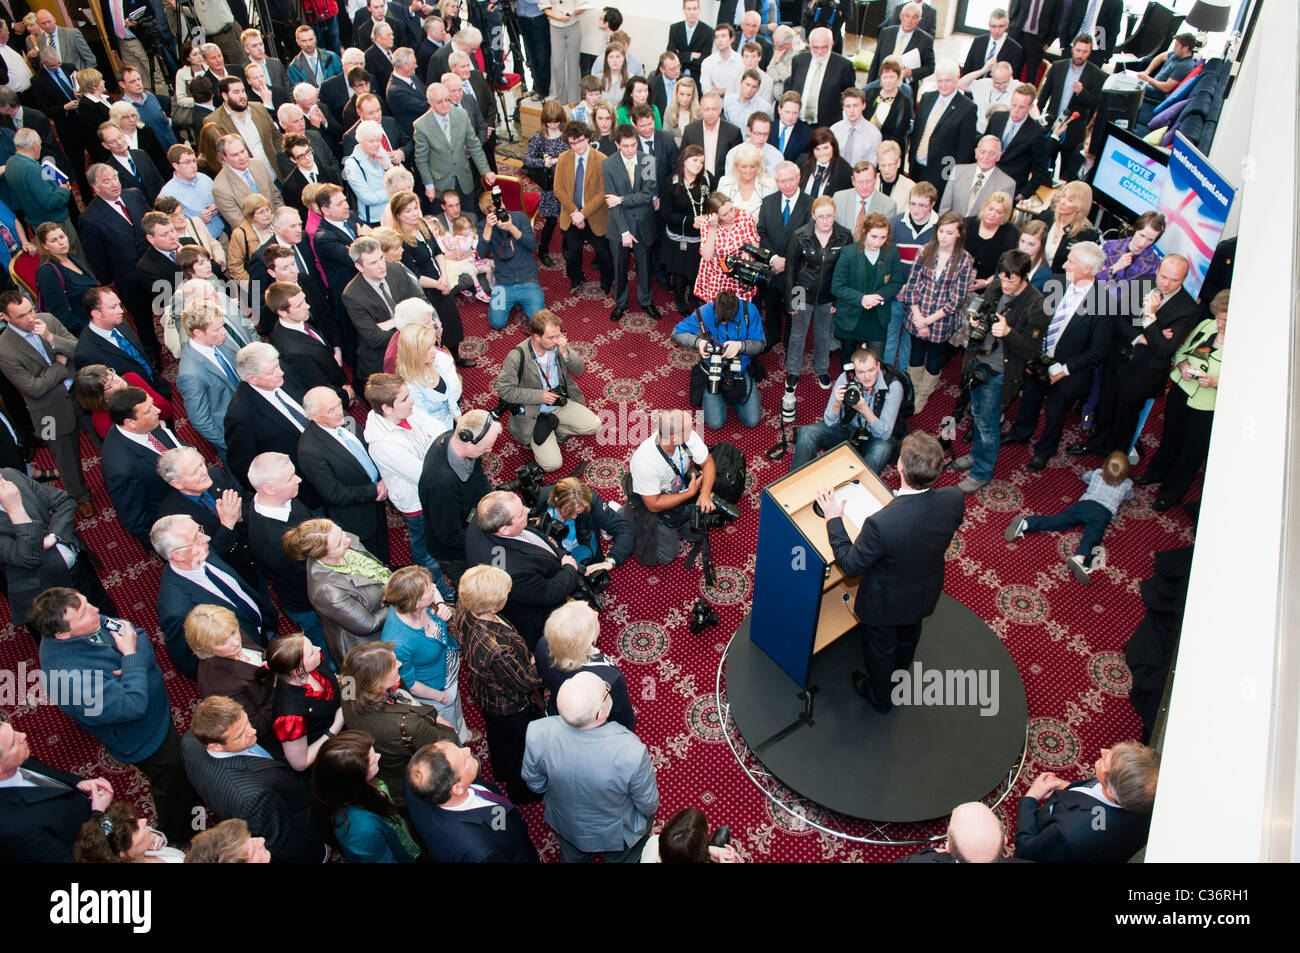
908, 407
732, 471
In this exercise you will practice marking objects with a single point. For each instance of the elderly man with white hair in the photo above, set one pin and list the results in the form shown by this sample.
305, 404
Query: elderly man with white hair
971, 184
594, 774
405, 92
210, 497
820, 77
975, 836
944, 133
318, 158
335, 91
318, 116
445, 144
364, 171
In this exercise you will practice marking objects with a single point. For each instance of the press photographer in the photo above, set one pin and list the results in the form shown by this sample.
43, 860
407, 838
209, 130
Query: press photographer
864, 408
730, 256
542, 575
575, 515
1008, 322
509, 240
726, 335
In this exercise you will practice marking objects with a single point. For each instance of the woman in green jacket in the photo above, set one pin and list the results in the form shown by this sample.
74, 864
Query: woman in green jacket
867, 278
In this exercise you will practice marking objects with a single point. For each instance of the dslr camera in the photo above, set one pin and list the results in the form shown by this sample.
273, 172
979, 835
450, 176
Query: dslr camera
499, 205
589, 587
979, 313
716, 367
1038, 370
752, 271
722, 514
703, 616
561, 394
527, 483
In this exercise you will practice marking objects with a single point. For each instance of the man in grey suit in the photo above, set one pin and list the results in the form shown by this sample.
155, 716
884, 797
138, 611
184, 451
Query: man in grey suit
595, 775
456, 93
369, 301
630, 194
35, 355
72, 47
207, 378
444, 146
972, 183
853, 205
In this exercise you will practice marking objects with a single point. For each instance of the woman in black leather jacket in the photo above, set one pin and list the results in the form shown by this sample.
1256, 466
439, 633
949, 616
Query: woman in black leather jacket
810, 267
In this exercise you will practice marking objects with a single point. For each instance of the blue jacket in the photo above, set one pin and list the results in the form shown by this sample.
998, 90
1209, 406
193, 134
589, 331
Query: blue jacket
366, 838
480, 836
130, 713
747, 326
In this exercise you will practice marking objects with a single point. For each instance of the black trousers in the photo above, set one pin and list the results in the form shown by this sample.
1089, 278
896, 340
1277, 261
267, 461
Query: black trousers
1183, 447
1058, 400
887, 648
453, 332
173, 798
642, 252
776, 320
573, 241
506, 735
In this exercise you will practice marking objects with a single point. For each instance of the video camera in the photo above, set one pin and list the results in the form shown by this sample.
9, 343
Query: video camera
751, 271
716, 367
527, 483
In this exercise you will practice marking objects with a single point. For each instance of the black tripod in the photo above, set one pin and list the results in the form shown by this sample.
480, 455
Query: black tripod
494, 58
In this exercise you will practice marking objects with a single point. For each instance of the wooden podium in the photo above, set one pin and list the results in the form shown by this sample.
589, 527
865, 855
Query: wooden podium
803, 601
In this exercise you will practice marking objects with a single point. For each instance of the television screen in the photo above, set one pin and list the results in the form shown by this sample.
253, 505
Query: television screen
1129, 174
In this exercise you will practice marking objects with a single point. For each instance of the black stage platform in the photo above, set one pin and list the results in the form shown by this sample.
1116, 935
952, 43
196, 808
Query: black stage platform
914, 764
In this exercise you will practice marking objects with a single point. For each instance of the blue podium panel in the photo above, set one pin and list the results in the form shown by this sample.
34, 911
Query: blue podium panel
788, 576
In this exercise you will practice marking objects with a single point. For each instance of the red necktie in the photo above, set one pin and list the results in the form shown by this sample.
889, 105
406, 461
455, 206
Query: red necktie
384, 140
157, 444
314, 335
122, 205
404, 424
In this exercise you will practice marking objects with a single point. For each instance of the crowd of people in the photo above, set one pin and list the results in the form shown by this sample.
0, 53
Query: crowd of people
300, 228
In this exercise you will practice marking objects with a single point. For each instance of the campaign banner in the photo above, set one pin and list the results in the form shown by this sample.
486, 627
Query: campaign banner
1195, 201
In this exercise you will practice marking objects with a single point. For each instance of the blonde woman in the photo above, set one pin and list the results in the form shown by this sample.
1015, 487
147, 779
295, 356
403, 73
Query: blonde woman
602, 121
424, 258
430, 372
232, 665
684, 109
889, 163
1069, 225
749, 182
92, 108
249, 235
568, 646
988, 235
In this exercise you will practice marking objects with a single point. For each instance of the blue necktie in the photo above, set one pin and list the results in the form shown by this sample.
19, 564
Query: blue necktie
208, 502
130, 164
257, 751
785, 134
127, 348
785, 213
248, 177
348, 230
241, 605
291, 410
63, 83
357, 450
225, 366
577, 182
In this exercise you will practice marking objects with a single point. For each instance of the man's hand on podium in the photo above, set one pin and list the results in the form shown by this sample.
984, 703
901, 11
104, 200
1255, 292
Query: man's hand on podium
831, 507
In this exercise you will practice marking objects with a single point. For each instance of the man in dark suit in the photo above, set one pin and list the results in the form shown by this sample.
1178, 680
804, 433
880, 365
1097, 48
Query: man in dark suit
458, 818
35, 351
134, 168
372, 15
41, 808
1099, 20
306, 166
994, 47
1026, 150
26, 117
663, 81
335, 91
690, 39
337, 231
156, 273
210, 497
1077, 340
1071, 85
1101, 821
901, 39
975, 836
711, 127
53, 94
368, 108
379, 57
405, 93
39, 545
631, 226
1142, 349
1033, 26
282, 260
927, 17
302, 343
477, 121
335, 460
237, 777
790, 134
748, 32
899, 554
820, 76
195, 576
654, 142
944, 134
781, 213
113, 238
543, 575
435, 37
129, 460
369, 300
109, 339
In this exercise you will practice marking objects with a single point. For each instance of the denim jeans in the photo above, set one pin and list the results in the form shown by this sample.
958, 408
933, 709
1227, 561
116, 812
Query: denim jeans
820, 318
986, 409
1091, 515
420, 555
504, 297
817, 437
929, 353
327, 34
311, 627
750, 411
898, 343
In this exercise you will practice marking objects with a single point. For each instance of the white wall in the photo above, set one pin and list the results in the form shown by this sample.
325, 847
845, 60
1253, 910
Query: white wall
646, 21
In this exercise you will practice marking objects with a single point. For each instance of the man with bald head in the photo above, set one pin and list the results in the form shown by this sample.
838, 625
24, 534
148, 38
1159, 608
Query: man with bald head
820, 76
595, 776
975, 836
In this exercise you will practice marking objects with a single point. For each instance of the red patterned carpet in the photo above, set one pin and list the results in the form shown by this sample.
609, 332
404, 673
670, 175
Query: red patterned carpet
1067, 640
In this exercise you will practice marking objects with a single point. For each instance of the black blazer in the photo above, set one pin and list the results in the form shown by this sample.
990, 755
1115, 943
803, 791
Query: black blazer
840, 177
954, 137
540, 582
796, 143
131, 476
928, 22
350, 496
840, 75
39, 825
331, 245
177, 596
1084, 103
898, 124
1065, 828
380, 68
665, 152
1107, 31
774, 235
322, 311
50, 98
273, 799
1010, 53
1148, 369
93, 349
701, 42
90, 115
1083, 345
324, 146
113, 245
311, 360
156, 277
1088, 234
659, 92
335, 93
28, 567
230, 544
366, 310
922, 41
406, 104
1028, 157
295, 181
288, 577
1049, 18
253, 427
899, 554
480, 836
729, 136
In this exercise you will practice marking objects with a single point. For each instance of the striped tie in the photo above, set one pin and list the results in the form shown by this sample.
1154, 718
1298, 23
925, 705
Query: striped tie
923, 147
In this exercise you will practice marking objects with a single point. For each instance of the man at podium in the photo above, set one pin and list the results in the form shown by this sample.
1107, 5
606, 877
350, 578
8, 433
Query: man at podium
899, 554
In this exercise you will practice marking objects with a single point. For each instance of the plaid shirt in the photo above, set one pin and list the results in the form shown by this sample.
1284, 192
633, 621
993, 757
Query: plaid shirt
1099, 491
502, 678
933, 291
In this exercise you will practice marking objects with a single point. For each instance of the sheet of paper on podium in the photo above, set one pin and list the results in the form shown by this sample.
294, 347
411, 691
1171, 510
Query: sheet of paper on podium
859, 503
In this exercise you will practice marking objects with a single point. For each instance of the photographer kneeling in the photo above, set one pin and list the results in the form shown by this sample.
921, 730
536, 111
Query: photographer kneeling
542, 575
664, 486
726, 335
1007, 326
581, 514
863, 408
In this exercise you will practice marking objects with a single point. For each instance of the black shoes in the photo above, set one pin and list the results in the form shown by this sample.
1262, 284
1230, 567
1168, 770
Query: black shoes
617, 314
1036, 465
546, 261
862, 685
466, 362
1081, 450
574, 284
1009, 438
1146, 479
653, 312
1161, 505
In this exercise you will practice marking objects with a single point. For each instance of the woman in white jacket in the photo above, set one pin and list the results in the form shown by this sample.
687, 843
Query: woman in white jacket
431, 373
398, 436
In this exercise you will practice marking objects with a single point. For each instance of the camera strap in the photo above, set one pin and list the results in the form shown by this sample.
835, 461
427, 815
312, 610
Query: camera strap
672, 462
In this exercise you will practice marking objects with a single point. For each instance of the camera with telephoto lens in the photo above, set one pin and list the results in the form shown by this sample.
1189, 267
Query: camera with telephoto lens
752, 271
717, 366
587, 593
499, 205
979, 313
721, 514
527, 483
789, 408
978, 374
703, 616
